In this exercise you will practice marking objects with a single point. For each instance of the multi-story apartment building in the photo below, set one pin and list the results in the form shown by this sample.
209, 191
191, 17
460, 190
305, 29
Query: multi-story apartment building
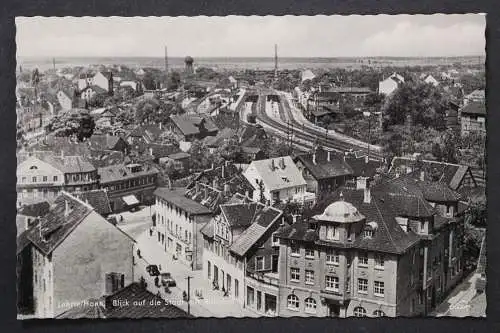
177, 225
239, 256
42, 177
128, 185
278, 180
63, 259
391, 250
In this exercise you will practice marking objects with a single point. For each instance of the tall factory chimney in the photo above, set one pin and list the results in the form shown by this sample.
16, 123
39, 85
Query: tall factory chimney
275, 61
54, 63
166, 68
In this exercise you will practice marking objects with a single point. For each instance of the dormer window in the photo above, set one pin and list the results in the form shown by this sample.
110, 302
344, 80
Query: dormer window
368, 233
332, 232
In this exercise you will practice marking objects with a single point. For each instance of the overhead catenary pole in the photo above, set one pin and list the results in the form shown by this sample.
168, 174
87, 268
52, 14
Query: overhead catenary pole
188, 298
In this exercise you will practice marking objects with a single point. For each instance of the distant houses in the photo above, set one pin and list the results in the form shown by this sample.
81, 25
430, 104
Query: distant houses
390, 84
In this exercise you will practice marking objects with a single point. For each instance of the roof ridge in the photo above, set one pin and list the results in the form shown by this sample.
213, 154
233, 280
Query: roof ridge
385, 225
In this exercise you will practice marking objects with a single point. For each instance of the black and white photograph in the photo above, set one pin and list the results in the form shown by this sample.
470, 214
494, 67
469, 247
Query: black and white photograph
251, 166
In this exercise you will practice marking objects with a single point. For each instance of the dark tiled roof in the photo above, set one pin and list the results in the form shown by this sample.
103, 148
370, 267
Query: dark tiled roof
119, 172
179, 156
189, 124
131, 293
206, 195
179, 200
34, 210
53, 228
324, 169
163, 150
103, 158
208, 229
361, 168
68, 164
97, 89
218, 140
231, 176
96, 198
104, 141
475, 108
448, 173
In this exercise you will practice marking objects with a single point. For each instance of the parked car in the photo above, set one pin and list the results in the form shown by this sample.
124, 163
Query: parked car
153, 270
167, 280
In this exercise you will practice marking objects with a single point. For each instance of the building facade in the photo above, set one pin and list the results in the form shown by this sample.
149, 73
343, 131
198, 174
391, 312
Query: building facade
177, 226
70, 250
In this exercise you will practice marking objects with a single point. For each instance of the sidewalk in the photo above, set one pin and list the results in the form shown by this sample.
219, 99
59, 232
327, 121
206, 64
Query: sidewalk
457, 304
213, 303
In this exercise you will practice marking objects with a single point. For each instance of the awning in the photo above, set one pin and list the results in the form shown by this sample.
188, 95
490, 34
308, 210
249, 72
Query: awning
130, 200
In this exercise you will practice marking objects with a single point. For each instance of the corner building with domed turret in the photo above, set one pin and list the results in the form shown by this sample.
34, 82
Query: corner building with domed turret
391, 249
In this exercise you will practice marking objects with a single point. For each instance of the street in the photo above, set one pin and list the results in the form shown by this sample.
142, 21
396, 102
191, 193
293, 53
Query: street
211, 304
457, 304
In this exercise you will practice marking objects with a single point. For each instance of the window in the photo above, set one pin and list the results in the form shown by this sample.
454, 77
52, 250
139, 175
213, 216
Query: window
293, 302
363, 259
44, 178
309, 277
332, 257
276, 241
310, 253
310, 305
295, 250
250, 296
368, 233
294, 274
359, 311
332, 283
236, 288
363, 286
209, 270
378, 313
54, 178
379, 261
378, 288
412, 307
33, 179
23, 180
331, 233
259, 263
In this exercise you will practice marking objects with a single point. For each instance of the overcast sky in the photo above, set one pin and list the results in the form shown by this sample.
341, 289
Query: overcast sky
253, 36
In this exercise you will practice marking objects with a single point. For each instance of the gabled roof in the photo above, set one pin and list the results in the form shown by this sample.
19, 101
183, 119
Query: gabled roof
218, 140
189, 124
206, 195
228, 174
56, 225
34, 210
112, 173
448, 173
255, 217
179, 200
104, 142
361, 167
151, 306
474, 108
321, 168
277, 173
98, 199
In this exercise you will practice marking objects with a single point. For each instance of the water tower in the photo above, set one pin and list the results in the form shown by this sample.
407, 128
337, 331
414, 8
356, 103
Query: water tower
188, 65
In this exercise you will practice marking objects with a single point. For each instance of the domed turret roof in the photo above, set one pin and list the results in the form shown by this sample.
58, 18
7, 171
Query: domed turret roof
340, 212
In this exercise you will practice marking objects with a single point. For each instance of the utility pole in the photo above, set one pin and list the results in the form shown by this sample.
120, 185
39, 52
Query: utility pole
188, 298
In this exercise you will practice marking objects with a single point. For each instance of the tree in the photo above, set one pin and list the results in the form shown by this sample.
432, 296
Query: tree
97, 101
148, 81
174, 80
422, 104
74, 123
230, 150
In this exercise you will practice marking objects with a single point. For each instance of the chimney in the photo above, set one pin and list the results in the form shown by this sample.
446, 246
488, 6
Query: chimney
214, 183
367, 159
223, 173
151, 151
294, 218
213, 166
66, 208
314, 158
246, 194
160, 125
272, 165
197, 187
227, 189
328, 156
367, 193
282, 163
422, 175
62, 153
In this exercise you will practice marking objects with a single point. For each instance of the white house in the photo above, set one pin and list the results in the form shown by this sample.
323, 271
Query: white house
65, 99
128, 83
307, 75
278, 180
431, 80
390, 84
104, 80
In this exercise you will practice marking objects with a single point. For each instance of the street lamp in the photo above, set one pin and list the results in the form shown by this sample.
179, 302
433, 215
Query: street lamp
368, 115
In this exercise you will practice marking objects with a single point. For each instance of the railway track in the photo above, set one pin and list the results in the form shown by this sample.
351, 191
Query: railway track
302, 135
